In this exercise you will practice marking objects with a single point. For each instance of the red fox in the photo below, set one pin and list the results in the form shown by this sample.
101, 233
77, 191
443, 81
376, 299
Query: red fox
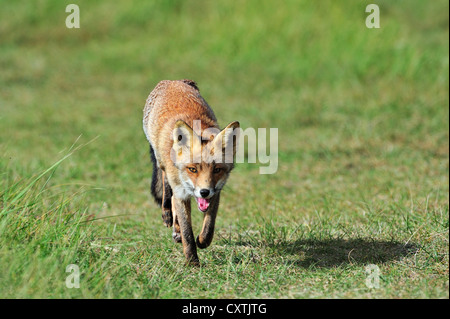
188, 161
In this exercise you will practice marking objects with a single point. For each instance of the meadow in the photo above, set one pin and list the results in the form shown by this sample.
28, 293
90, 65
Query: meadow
363, 136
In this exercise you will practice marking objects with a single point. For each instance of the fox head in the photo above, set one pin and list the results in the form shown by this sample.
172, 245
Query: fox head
204, 161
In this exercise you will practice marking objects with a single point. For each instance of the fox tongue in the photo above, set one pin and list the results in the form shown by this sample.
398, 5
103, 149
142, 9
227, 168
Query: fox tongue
203, 203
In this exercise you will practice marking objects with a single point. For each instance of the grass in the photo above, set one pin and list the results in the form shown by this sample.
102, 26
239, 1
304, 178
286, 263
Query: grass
362, 118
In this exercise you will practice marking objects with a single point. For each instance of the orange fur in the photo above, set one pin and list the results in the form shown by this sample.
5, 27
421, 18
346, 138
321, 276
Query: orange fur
169, 115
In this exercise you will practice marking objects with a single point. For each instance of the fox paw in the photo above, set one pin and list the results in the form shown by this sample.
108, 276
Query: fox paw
176, 237
167, 218
202, 243
193, 262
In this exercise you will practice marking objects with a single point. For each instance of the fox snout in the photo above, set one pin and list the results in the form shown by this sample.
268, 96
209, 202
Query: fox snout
204, 192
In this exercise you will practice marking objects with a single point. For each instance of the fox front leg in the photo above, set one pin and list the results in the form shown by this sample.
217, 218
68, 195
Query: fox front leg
176, 234
209, 220
182, 209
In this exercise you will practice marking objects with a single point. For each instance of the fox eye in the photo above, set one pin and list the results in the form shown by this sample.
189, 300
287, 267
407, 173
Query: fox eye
192, 169
216, 170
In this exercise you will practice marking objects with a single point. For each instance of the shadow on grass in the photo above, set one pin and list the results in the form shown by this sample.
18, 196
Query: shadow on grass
336, 252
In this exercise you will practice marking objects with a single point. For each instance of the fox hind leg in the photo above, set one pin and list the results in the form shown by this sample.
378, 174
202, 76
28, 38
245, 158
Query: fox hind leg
161, 191
176, 234
156, 186
166, 206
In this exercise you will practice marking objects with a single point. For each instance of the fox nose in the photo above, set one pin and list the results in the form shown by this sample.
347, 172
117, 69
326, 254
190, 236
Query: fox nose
204, 192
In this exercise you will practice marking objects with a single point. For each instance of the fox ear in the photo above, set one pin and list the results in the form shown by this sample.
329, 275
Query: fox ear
184, 135
183, 139
227, 140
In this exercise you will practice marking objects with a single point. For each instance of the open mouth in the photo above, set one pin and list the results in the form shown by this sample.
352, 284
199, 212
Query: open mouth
202, 203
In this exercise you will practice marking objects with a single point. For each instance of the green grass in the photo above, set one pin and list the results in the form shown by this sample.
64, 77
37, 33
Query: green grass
363, 122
